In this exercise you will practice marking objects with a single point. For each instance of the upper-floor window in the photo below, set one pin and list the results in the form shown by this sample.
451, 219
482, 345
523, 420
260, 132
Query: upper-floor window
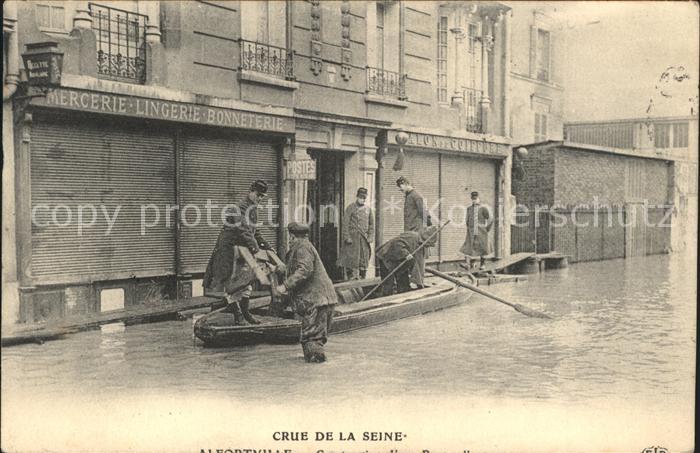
442, 60
264, 22
383, 76
543, 55
540, 127
381, 13
51, 16
671, 135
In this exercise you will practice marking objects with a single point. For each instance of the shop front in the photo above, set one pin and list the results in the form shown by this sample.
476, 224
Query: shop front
444, 170
121, 196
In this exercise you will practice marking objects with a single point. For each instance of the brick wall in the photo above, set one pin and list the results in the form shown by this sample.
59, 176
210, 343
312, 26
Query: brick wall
536, 186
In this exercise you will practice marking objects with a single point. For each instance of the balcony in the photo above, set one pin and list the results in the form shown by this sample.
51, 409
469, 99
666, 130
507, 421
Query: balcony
121, 43
385, 83
267, 59
472, 110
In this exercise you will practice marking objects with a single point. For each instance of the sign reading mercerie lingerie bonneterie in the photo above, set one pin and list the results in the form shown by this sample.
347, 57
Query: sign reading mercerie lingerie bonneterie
166, 110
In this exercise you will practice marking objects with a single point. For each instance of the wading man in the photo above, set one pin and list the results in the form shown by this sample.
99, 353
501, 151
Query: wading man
310, 290
227, 272
357, 235
392, 255
416, 217
479, 224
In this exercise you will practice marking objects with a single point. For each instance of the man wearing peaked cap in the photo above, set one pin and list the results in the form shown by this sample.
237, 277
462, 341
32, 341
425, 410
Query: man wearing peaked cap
416, 217
227, 272
357, 236
479, 222
311, 292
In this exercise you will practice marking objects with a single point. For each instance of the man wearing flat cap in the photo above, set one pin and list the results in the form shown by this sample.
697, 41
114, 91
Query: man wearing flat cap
357, 237
311, 292
227, 272
416, 217
479, 224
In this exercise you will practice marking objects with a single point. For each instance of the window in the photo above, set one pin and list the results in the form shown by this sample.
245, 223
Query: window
380, 35
543, 55
442, 60
264, 22
51, 16
662, 135
473, 35
680, 135
540, 127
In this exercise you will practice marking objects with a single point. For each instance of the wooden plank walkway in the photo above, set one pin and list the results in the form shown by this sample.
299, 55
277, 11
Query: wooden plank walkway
502, 264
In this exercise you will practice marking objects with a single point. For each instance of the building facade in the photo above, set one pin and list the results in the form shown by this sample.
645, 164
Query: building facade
168, 110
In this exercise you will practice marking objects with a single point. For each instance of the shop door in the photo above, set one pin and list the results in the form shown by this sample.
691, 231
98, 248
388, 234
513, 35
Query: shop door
327, 196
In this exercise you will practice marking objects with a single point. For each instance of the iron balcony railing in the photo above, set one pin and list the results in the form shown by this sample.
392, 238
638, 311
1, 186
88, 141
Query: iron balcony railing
386, 83
472, 110
267, 59
121, 43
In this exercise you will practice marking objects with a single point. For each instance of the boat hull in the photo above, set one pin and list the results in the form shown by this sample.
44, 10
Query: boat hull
217, 329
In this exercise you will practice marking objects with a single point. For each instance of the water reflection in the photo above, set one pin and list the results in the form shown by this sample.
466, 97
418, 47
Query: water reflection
621, 328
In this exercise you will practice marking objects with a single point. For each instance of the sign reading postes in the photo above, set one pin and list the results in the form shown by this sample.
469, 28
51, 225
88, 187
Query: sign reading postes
43, 63
165, 110
301, 169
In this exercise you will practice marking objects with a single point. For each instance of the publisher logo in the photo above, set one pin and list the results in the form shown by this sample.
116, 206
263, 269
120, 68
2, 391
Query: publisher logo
655, 450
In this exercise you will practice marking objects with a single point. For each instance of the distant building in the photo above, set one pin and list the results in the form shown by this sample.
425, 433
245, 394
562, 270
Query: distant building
536, 73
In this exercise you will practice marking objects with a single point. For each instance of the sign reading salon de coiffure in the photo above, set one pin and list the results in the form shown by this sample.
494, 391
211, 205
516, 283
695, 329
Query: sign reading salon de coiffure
165, 110
457, 144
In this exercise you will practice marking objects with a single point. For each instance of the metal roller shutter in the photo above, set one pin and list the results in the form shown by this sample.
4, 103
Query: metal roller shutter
77, 162
459, 172
221, 169
423, 170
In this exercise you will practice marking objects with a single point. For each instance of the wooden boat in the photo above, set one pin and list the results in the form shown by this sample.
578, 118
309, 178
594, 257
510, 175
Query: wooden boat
217, 328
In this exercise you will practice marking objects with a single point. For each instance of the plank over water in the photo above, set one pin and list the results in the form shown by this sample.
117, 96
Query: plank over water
506, 262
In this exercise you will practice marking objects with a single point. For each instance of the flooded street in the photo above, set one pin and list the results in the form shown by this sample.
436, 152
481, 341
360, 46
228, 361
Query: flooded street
622, 329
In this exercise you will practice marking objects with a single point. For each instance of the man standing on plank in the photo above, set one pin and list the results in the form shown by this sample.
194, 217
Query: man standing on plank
416, 217
358, 234
479, 224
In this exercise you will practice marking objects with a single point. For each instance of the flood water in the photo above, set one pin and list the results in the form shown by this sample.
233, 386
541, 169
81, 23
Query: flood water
622, 328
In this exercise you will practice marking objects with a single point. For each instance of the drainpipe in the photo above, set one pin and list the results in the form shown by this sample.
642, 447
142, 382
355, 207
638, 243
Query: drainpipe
9, 24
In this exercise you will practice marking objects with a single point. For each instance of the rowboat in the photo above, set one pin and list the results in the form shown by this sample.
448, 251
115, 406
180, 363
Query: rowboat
217, 329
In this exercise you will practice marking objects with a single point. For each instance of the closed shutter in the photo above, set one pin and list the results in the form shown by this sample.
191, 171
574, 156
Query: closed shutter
76, 162
423, 170
459, 172
221, 169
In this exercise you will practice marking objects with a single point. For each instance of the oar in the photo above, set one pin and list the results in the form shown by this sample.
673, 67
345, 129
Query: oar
418, 249
520, 308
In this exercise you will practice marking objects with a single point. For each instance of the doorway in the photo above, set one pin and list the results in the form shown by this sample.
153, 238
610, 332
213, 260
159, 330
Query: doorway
328, 205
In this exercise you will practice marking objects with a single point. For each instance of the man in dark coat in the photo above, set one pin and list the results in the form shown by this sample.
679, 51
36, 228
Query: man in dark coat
227, 273
479, 222
416, 217
357, 236
392, 255
311, 292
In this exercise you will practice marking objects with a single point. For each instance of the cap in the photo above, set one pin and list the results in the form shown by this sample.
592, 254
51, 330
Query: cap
427, 232
298, 228
475, 194
402, 180
259, 186
362, 192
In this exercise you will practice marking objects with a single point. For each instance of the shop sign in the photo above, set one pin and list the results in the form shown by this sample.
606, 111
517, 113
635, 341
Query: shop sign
43, 64
165, 110
456, 144
301, 169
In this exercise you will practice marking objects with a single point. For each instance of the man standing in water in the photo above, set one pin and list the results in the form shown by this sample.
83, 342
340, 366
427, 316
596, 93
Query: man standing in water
311, 292
227, 272
358, 234
416, 217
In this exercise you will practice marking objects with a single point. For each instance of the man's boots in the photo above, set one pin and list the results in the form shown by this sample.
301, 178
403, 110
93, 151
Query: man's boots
235, 309
245, 305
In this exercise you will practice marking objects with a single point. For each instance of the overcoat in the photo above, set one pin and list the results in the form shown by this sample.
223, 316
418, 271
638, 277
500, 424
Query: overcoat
415, 215
358, 226
394, 251
479, 222
240, 229
307, 282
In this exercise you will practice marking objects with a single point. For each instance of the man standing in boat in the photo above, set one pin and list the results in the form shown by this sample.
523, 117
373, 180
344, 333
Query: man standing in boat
400, 253
479, 224
311, 292
227, 272
416, 217
357, 236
